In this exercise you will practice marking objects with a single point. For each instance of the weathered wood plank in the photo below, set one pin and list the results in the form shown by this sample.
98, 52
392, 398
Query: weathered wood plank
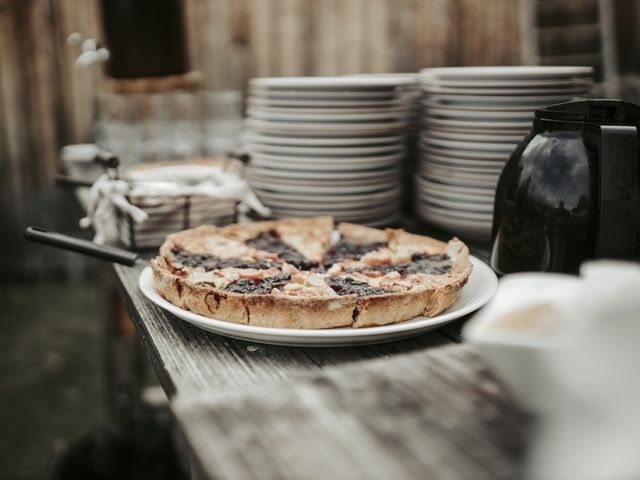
428, 414
437, 32
79, 85
381, 47
190, 361
488, 32
261, 36
291, 37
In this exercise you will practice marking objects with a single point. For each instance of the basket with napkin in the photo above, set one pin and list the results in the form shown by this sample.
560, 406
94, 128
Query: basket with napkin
140, 208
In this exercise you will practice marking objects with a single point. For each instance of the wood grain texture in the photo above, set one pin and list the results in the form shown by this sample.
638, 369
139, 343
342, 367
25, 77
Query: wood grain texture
436, 414
190, 361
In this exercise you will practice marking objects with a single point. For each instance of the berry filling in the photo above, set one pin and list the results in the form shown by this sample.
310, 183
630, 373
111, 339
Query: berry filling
350, 286
345, 249
211, 262
420, 263
257, 287
270, 242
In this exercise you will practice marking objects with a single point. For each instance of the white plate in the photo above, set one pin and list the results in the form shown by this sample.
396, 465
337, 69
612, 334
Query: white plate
371, 221
580, 82
338, 104
322, 189
496, 148
355, 199
444, 168
459, 176
327, 116
322, 204
343, 176
514, 92
502, 73
328, 151
449, 152
457, 214
324, 129
353, 141
335, 96
425, 193
331, 83
391, 220
485, 115
463, 162
480, 288
483, 137
308, 178
455, 205
313, 160
537, 100
461, 181
452, 190
473, 123
328, 206
329, 166
455, 167
341, 214
324, 111
471, 228
511, 109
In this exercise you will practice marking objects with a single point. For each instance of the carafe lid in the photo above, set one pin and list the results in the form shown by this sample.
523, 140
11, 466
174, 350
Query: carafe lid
598, 111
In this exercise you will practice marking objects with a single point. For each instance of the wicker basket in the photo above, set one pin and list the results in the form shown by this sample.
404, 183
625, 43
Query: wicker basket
168, 214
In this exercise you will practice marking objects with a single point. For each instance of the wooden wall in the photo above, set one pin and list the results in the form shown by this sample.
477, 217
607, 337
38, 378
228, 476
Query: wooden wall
327, 37
46, 102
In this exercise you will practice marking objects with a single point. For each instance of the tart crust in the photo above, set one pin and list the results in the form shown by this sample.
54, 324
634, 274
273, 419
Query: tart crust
432, 295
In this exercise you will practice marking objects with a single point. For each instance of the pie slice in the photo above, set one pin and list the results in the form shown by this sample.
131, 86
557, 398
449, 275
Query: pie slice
290, 274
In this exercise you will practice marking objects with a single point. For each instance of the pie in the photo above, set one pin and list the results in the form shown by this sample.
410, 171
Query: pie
308, 273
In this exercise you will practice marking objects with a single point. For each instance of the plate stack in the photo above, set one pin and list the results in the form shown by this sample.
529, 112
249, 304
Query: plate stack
472, 119
328, 146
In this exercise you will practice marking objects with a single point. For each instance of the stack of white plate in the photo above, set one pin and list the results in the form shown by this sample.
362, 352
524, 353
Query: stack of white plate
328, 145
472, 119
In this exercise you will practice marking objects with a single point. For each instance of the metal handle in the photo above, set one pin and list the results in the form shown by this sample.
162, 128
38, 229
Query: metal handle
86, 247
618, 195
107, 159
66, 181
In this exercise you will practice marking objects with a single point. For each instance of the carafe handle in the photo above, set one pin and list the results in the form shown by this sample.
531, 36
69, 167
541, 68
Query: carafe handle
618, 209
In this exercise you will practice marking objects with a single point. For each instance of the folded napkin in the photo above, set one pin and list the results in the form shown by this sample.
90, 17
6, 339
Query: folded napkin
109, 197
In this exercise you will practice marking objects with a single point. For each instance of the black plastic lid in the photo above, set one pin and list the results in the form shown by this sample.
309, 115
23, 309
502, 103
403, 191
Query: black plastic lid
598, 111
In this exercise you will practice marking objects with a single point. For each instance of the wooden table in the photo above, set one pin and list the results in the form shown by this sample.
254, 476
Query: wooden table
399, 410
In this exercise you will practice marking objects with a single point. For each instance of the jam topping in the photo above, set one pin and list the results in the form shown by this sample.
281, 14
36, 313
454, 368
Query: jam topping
270, 242
420, 263
211, 262
257, 287
429, 264
345, 249
350, 286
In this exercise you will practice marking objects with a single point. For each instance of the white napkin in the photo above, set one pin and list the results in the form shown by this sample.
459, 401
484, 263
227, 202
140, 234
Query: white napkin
592, 432
571, 355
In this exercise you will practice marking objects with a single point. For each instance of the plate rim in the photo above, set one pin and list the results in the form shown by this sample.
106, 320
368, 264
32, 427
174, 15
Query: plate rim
337, 336
507, 71
329, 82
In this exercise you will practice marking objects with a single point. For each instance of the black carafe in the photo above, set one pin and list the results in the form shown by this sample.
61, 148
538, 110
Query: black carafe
569, 191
